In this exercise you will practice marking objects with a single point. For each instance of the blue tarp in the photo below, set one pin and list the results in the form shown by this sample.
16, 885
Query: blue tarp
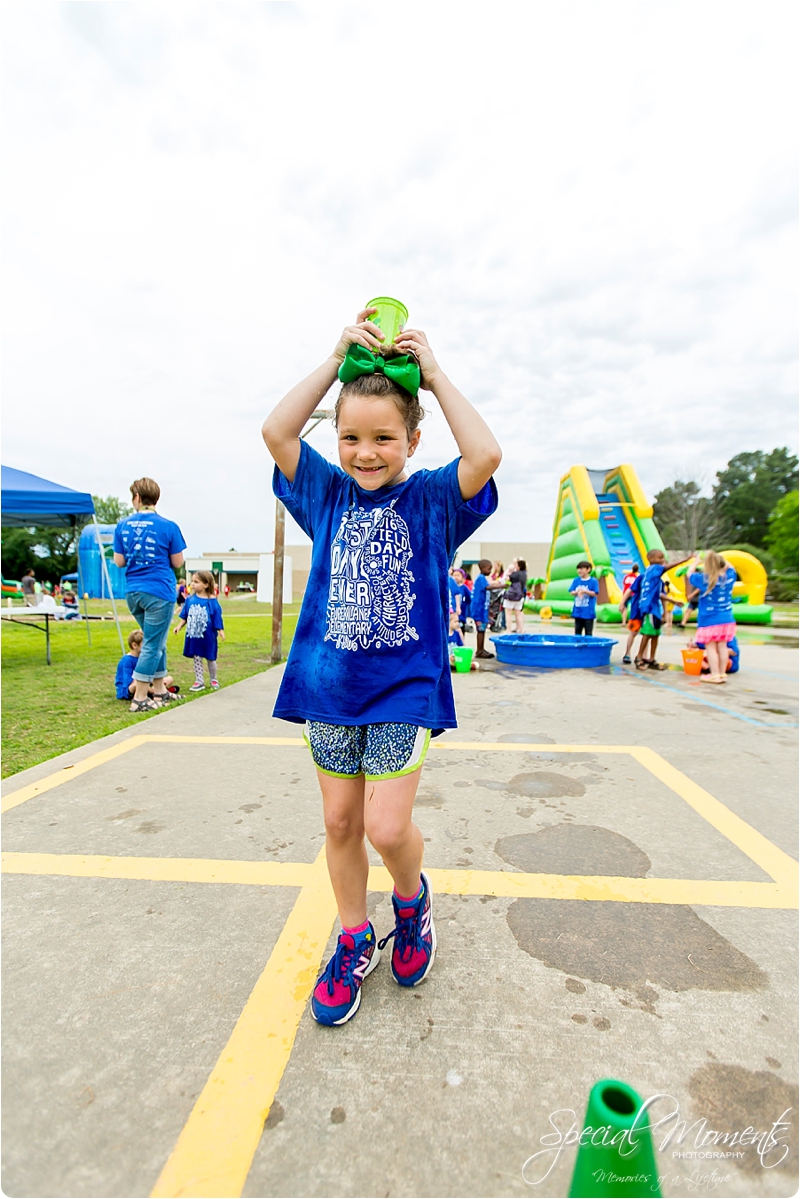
29, 500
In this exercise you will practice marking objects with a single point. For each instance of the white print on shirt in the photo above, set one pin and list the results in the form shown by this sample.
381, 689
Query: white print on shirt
370, 598
196, 620
145, 543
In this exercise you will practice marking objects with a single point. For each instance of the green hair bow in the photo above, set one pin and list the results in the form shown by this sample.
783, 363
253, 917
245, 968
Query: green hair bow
359, 361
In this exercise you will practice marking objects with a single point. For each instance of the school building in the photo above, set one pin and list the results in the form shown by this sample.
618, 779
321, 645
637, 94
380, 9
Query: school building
235, 568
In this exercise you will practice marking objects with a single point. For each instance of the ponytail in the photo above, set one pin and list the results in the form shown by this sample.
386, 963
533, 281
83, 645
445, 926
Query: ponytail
714, 567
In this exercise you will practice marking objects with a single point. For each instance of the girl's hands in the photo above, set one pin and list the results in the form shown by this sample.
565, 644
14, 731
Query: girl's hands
414, 341
362, 333
222, 634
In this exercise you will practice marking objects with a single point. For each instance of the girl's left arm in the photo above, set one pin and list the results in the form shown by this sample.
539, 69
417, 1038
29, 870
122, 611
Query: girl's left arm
480, 453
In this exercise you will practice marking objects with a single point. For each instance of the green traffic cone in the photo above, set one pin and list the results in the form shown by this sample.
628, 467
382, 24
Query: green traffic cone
614, 1157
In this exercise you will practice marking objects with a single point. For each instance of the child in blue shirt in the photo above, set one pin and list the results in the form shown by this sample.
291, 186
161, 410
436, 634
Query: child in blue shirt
124, 681
202, 617
631, 596
479, 606
651, 607
455, 637
368, 672
585, 589
716, 627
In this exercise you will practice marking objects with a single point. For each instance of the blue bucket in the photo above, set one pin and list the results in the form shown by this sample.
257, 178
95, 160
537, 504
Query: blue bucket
560, 653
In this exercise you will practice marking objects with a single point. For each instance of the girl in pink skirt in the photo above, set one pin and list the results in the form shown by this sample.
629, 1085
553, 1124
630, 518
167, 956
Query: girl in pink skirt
714, 579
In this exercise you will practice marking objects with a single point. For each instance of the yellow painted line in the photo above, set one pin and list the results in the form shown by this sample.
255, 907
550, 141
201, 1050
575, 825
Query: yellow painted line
598, 888
216, 1147
512, 747
758, 848
170, 870
605, 888
593, 888
67, 773
178, 740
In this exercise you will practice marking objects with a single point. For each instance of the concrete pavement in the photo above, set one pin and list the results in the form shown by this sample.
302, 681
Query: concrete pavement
615, 896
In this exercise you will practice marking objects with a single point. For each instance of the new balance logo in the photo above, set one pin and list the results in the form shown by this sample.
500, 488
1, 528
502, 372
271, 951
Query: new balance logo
363, 963
425, 922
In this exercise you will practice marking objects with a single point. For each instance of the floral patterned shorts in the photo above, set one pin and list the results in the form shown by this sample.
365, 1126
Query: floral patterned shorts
376, 751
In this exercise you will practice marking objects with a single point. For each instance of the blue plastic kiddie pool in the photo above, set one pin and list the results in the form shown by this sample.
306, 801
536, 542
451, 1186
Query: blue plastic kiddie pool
537, 649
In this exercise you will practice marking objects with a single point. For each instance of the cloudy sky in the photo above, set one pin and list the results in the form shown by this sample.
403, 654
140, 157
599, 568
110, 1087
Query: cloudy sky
589, 208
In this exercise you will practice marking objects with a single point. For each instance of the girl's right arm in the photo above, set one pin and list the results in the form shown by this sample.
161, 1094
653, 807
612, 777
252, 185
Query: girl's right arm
282, 428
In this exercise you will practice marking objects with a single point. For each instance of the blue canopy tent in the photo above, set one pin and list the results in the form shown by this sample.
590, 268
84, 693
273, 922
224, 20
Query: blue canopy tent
29, 500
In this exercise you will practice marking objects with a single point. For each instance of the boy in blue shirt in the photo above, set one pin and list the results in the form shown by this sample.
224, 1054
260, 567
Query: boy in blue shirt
651, 607
585, 589
125, 667
124, 680
479, 606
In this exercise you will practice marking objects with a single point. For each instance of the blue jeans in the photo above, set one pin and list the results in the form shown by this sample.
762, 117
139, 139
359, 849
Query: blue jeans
154, 616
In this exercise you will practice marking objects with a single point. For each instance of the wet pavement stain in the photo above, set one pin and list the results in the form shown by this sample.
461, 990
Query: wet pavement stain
544, 784
636, 946
527, 739
428, 799
632, 945
276, 1114
574, 849
732, 1099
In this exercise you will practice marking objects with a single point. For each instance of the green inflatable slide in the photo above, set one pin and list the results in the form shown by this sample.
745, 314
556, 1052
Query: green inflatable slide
603, 516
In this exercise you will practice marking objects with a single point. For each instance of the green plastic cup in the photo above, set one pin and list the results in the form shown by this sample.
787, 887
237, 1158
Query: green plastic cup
462, 657
390, 318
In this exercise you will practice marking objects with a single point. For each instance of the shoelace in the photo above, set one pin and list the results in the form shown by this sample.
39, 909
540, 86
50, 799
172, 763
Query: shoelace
407, 935
340, 967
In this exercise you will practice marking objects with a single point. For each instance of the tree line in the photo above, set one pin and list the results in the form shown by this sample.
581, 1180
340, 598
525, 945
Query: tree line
753, 506
50, 550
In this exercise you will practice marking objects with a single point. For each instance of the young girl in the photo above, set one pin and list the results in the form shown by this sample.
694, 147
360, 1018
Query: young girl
714, 578
202, 616
368, 671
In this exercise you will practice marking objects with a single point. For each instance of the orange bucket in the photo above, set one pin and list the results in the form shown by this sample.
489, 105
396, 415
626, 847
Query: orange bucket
692, 661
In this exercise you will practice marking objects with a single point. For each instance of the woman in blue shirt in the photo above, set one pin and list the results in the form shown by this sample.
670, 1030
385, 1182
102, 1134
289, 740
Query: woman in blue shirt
368, 672
715, 623
149, 546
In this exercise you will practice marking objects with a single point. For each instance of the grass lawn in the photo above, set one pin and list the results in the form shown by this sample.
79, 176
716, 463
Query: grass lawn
48, 710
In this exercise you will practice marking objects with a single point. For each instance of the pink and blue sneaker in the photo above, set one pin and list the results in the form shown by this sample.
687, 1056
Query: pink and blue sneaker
337, 994
414, 937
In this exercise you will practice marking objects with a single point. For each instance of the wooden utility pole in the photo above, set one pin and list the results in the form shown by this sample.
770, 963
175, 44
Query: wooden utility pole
280, 540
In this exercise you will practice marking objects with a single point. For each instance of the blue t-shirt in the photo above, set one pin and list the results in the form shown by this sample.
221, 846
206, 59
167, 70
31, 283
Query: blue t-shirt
455, 637
650, 600
371, 639
635, 587
147, 540
717, 606
479, 605
124, 675
585, 606
454, 589
203, 621
466, 601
